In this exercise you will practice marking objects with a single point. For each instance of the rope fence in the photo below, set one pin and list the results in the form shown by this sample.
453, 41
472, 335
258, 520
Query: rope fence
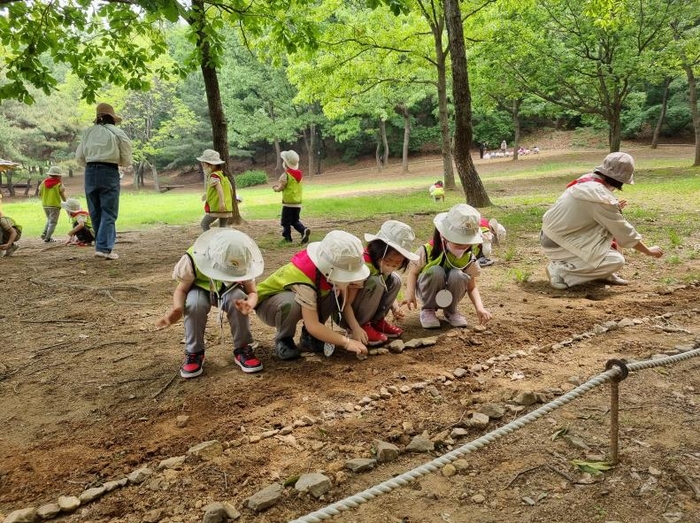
617, 370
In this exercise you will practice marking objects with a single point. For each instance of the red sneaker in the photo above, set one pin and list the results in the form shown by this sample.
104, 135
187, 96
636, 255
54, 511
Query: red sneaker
386, 328
245, 357
193, 365
374, 337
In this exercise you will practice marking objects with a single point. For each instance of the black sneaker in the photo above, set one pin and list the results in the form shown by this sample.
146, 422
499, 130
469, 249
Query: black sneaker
286, 349
193, 365
50, 240
245, 357
305, 236
308, 343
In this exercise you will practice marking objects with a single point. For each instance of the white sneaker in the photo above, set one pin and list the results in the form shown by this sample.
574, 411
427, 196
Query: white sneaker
614, 279
107, 255
456, 319
428, 319
556, 281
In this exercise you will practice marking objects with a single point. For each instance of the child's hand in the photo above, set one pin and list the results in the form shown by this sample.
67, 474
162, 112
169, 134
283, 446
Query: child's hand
170, 318
622, 204
243, 306
360, 335
484, 316
397, 312
410, 302
276, 188
356, 347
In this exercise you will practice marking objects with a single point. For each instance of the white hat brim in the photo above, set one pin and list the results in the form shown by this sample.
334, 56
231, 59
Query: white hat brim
336, 275
455, 237
412, 256
205, 266
210, 162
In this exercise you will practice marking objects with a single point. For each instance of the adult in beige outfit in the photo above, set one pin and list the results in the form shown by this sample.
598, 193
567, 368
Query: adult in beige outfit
581, 233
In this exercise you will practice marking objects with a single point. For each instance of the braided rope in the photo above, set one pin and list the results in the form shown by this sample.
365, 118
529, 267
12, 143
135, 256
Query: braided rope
436, 464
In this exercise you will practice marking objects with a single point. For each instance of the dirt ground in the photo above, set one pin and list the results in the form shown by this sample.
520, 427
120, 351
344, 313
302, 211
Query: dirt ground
90, 392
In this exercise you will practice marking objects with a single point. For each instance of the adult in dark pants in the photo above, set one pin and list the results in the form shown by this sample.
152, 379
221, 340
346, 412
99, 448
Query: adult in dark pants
103, 148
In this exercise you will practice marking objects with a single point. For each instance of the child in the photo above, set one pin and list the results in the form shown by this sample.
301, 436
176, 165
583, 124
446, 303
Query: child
437, 191
52, 193
219, 269
314, 285
218, 200
493, 233
289, 184
387, 251
82, 233
10, 232
447, 269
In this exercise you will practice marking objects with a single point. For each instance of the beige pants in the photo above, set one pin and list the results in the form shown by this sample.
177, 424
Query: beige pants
574, 271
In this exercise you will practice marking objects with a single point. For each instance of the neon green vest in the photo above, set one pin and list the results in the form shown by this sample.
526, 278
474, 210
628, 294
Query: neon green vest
446, 256
282, 279
213, 195
51, 197
202, 281
292, 191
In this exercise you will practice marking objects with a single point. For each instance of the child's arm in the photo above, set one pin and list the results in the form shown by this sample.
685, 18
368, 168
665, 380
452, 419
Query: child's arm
62, 192
248, 305
474, 295
411, 282
323, 333
179, 296
281, 183
10, 241
357, 331
75, 229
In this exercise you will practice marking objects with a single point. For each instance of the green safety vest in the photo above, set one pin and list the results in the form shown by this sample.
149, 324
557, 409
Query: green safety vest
292, 191
213, 195
442, 260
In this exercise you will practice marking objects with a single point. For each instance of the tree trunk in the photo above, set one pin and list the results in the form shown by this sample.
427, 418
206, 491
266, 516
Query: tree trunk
615, 130
693, 97
211, 87
137, 174
278, 158
70, 172
471, 183
10, 187
516, 127
312, 148
443, 116
378, 156
156, 181
403, 111
662, 115
385, 143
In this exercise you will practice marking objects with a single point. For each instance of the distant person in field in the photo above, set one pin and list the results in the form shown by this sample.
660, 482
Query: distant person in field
437, 191
504, 147
219, 270
10, 233
218, 200
582, 232
81, 233
386, 253
52, 194
290, 185
319, 282
492, 233
103, 148
447, 269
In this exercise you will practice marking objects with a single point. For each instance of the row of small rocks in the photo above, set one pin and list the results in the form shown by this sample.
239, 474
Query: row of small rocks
317, 484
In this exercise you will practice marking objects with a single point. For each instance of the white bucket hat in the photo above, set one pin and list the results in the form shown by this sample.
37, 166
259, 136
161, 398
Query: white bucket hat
339, 257
71, 205
54, 171
290, 159
210, 156
227, 255
461, 224
398, 236
618, 166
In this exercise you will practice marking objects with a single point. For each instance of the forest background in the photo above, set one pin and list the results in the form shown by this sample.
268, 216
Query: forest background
343, 81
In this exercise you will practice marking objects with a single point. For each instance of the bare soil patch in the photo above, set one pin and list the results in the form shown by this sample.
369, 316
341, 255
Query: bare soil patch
90, 393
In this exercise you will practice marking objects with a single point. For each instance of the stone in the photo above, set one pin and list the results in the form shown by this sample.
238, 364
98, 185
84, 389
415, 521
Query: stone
384, 393
153, 516
91, 494
181, 421
286, 430
449, 470
460, 464
231, 512
525, 398
113, 485
459, 372
48, 511
396, 346
214, 513
610, 325
405, 388
479, 328
386, 452
458, 432
413, 344
599, 329
269, 433
314, 483
139, 475
25, 515
392, 389
206, 450
576, 441
175, 463
360, 464
492, 410
625, 322
420, 444
429, 342
68, 503
575, 380
479, 420
265, 498
478, 499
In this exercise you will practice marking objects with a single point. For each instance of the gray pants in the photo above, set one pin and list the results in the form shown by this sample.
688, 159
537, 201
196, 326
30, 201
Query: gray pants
574, 271
208, 219
52, 214
197, 307
373, 301
282, 312
437, 278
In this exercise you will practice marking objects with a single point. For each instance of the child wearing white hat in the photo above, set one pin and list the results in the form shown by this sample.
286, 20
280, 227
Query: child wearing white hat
446, 269
290, 185
82, 233
317, 283
387, 252
52, 193
218, 200
220, 269
10, 232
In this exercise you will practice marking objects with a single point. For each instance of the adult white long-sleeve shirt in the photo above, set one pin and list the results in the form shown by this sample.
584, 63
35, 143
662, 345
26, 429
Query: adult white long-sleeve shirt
104, 143
584, 221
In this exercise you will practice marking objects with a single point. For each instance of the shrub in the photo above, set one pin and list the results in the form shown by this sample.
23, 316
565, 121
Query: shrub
251, 178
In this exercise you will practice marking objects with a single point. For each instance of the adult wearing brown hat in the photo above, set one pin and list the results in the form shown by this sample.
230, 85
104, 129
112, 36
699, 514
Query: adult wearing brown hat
581, 232
103, 148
